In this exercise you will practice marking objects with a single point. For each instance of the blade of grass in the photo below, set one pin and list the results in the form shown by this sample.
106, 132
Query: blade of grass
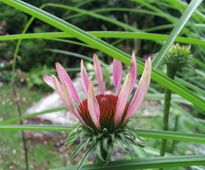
155, 9
169, 135
103, 34
93, 14
180, 5
53, 128
185, 137
142, 163
32, 115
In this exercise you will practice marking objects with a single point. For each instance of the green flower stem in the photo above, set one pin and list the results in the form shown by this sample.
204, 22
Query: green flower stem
25, 148
175, 129
171, 72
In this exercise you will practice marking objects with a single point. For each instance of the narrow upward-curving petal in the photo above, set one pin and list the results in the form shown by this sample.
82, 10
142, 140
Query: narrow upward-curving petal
93, 106
64, 93
69, 104
98, 74
133, 72
64, 78
59, 89
84, 77
49, 81
141, 90
122, 99
117, 75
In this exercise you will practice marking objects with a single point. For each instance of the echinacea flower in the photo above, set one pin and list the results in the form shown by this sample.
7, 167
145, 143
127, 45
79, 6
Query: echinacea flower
103, 114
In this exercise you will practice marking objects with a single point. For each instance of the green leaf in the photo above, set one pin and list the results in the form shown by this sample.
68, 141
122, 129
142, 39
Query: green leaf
142, 163
35, 128
102, 34
27, 116
179, 26
185, 137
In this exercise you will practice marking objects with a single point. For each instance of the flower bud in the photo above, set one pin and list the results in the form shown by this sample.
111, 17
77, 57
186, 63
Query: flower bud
178, 56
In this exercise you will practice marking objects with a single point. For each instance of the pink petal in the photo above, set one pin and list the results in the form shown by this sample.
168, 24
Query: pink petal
65, 96
49, 80
69, 103
117, 75
141, 90
133, 72
93, 106
59, 89
122, 99
84, 77
64, 78
76, 113
68, 97
99, 74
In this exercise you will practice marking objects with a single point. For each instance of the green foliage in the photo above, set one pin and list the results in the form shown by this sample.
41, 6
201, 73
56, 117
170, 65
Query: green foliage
31, 49
10, 16
35, 76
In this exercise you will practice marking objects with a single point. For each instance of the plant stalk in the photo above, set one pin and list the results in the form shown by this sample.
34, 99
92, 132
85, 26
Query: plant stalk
21, 123
171, 72
175, 129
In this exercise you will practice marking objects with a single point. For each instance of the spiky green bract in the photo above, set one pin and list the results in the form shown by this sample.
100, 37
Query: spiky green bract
178, 56
102, 143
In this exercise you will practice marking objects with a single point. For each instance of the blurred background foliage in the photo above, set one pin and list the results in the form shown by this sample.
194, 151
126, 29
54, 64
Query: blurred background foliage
33, 54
